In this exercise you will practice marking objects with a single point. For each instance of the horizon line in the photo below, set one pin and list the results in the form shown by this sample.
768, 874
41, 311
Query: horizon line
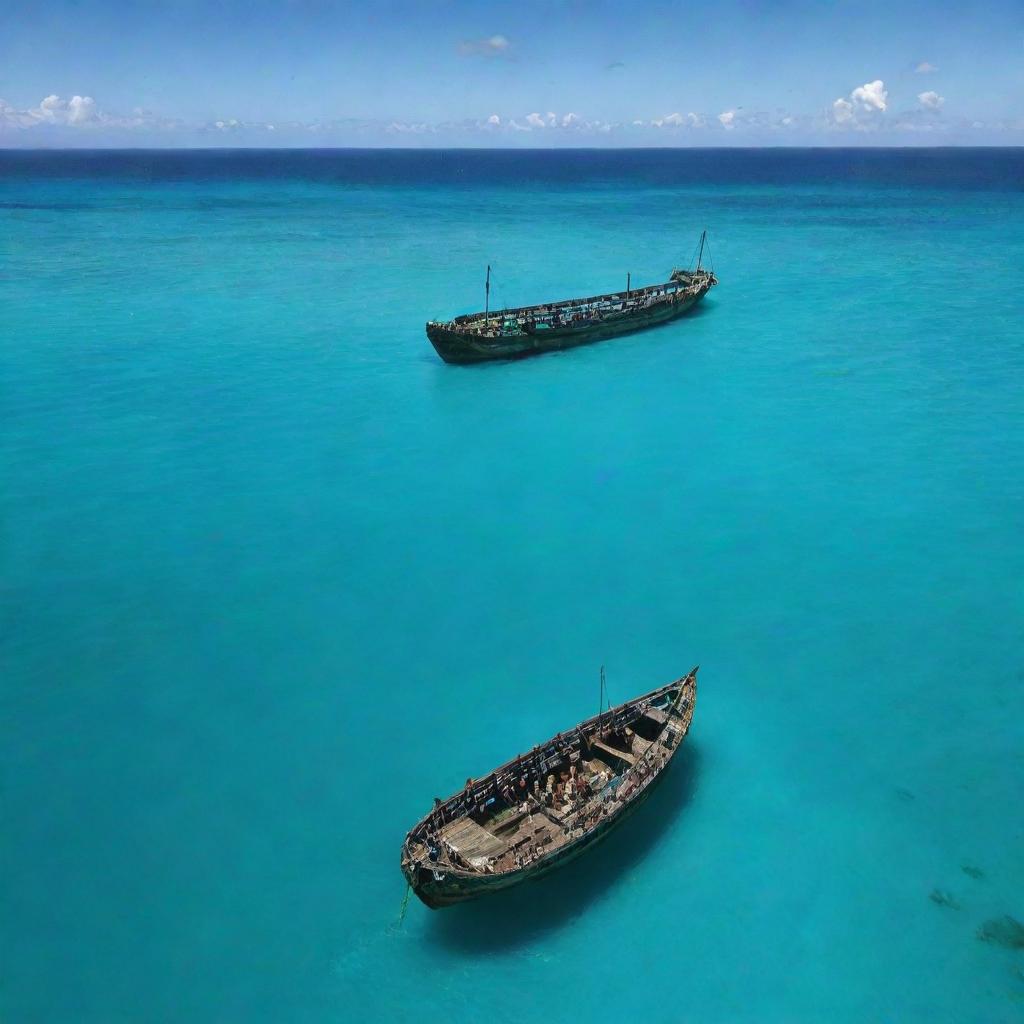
491, 149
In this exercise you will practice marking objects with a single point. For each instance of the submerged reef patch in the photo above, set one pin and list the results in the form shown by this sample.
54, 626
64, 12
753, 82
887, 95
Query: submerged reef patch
1005, 931
944, 898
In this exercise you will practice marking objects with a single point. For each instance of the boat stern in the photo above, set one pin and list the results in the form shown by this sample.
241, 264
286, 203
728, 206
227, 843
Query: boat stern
450, 344
461, 347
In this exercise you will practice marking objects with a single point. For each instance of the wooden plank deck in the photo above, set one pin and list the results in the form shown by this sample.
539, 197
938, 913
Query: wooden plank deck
621, 754
471, 840
659, 715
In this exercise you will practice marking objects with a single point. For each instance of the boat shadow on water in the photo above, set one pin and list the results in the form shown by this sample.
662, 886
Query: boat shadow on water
521, 915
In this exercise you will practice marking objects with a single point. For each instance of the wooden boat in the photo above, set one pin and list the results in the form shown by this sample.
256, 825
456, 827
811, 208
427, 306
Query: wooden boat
529, 330
543, 809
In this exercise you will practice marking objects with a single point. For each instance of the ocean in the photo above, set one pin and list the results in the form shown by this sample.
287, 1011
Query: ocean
274, 576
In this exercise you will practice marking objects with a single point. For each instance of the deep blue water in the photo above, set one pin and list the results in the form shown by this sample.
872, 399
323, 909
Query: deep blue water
274, 576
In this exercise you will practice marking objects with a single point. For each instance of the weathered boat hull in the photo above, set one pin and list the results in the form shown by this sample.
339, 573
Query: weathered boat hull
439, 884
446, 892
461, 347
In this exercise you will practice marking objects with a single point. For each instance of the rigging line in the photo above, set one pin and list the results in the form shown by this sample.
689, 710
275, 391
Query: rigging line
693, 255
499, 293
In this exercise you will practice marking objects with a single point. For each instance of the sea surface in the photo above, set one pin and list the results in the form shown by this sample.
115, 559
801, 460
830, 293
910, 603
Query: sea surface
274, 576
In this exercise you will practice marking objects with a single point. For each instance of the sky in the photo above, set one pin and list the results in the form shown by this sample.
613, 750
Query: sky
533, 73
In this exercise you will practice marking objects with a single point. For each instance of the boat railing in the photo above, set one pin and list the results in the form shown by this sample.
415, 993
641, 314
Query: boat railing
546, 309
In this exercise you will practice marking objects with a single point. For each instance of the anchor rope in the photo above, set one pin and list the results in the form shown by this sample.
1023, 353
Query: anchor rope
405, 904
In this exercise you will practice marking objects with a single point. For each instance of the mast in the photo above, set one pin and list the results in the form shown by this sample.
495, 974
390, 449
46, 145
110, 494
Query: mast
600, 700
700, 256
487, 294
627, 284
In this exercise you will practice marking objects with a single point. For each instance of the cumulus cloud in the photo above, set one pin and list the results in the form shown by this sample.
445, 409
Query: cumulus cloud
81, 109
491, 46
862, 108
871, 95
930, 100
924, 68
677, 120
842, 111
81, 116
727, 119
76, 111
494, 119
53, 111
551, 120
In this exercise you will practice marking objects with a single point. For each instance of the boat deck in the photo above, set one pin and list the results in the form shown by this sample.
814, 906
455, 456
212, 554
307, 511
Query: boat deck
471, 840
621, 755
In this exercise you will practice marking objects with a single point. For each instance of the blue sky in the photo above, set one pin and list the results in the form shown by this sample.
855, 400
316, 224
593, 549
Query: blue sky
313, 72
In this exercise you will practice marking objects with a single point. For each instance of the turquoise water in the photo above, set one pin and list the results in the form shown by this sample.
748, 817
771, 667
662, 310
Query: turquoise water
274, 576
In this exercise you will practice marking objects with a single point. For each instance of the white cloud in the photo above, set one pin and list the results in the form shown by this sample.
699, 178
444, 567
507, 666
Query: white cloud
50, 110
930, 100
863, 107
53, 110
80, 115
536, 121
924, 68
677, 120
401, 128
81, 109
76, 112
842, 111
871, 95
727, 118
491, 46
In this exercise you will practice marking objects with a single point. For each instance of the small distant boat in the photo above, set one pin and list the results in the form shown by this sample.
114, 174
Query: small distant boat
543, 809
530, 330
